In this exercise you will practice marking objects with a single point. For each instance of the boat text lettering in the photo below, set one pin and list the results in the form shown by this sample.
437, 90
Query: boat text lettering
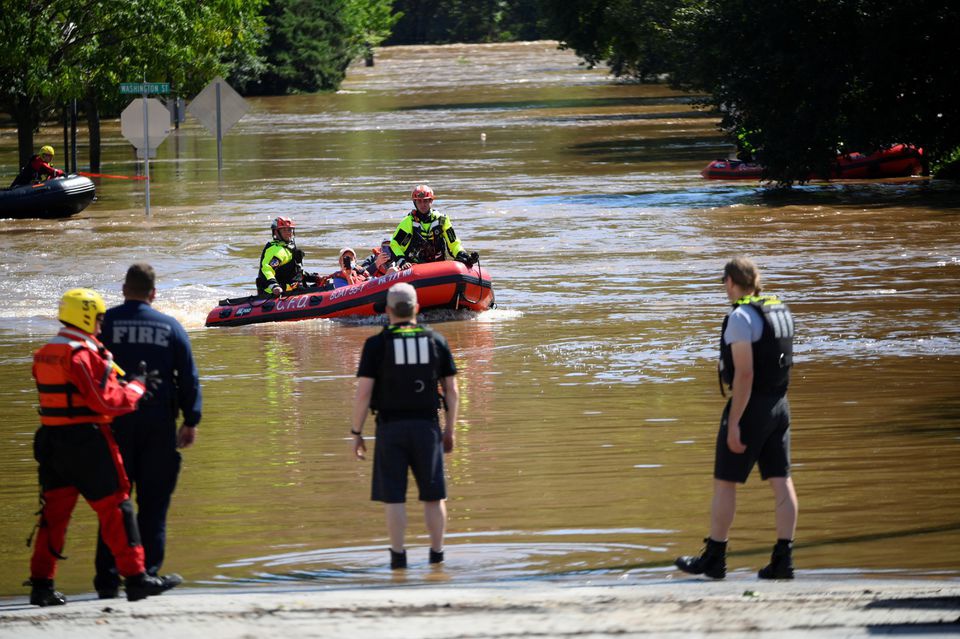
292, 303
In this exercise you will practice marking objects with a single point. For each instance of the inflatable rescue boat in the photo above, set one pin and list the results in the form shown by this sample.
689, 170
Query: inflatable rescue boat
901, 160
58, 197
446, 284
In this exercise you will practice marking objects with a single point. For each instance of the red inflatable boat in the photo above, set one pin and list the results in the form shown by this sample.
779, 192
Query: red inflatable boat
439, 285
898, 161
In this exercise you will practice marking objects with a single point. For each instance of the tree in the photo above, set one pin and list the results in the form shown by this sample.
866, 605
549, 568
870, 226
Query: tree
634, 37
807, 79
801, 79
311, 42
372, 20
444, 21
183, 43
31, 42
51, 52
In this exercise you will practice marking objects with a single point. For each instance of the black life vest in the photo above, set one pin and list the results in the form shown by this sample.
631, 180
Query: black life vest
28, 174
407, 382
427, 243
772, 353
287, 274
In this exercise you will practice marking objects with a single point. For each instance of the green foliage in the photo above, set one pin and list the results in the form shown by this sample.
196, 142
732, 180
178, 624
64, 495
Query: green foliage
810, 78
310, 43
800, 79
948, 165
372, 21
634, 37
55, 51
51, 52
445, 21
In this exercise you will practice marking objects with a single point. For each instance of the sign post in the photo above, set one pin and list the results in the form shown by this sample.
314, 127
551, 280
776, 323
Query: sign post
218, 107
139, 133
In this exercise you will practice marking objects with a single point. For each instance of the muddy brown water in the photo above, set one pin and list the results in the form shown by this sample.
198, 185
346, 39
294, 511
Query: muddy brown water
590, 401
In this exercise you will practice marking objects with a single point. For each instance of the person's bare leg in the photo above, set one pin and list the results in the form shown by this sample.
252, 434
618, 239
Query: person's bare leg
396, 525
723, 509
786, 509
435, 516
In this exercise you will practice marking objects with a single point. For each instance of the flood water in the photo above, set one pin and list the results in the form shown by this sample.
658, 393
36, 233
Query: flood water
589, 395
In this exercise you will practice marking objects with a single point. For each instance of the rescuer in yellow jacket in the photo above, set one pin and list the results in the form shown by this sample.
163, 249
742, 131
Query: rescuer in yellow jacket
281, 262
425, 235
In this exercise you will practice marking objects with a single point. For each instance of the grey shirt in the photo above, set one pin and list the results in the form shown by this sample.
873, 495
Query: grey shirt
744, 325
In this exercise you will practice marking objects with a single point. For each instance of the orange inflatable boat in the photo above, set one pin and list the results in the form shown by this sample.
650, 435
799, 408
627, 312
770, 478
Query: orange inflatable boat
898, 161
446, 284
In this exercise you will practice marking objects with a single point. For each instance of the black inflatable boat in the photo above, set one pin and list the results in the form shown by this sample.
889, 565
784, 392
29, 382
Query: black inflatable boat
59, 197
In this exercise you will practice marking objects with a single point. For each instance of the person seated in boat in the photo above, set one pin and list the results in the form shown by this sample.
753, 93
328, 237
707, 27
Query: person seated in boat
281, 262
380, 260
37, 169
425, 235
350, 272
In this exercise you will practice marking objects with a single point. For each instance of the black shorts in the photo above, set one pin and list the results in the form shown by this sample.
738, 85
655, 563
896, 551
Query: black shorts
414, 444
765, 429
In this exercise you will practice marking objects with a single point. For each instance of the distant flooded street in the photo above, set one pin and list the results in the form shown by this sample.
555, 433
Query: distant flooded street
589, 395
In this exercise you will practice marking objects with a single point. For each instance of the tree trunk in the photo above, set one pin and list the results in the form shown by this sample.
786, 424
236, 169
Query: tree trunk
26, 117
93, 130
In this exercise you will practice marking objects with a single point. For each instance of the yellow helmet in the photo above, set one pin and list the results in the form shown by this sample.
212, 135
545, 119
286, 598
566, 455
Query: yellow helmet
80, 307
47, 150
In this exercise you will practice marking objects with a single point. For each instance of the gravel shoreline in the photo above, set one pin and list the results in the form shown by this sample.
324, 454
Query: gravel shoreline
738, 606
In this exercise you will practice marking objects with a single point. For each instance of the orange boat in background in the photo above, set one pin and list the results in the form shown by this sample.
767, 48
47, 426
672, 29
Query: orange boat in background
446, 284
901, 160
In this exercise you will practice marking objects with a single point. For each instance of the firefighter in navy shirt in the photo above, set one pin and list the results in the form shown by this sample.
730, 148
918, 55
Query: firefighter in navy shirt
149, 438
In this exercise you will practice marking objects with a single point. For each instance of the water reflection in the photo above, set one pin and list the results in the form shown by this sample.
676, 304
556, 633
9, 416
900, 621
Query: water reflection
589, 396
493, 556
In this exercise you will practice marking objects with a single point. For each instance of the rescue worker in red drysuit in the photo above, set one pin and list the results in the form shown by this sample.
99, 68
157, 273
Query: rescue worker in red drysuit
37, 169
80, 394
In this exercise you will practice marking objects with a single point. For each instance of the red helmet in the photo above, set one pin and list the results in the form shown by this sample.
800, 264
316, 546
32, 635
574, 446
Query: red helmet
281, 223
422, 192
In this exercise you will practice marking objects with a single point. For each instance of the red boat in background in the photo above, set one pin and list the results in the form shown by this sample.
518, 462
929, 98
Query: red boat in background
900, 160
446, 284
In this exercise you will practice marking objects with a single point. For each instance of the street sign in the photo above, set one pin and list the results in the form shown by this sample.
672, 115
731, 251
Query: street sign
218, 107
157, 119
146, 123
204, 107
145, 87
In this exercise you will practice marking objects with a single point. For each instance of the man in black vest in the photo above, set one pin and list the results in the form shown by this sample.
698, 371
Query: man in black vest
400, 370
756, 354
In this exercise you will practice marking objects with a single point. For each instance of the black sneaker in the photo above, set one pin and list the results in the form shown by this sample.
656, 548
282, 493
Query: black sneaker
42, 593
436, 557
143, 585
781, 562
711, 562
398, 560
108, 593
